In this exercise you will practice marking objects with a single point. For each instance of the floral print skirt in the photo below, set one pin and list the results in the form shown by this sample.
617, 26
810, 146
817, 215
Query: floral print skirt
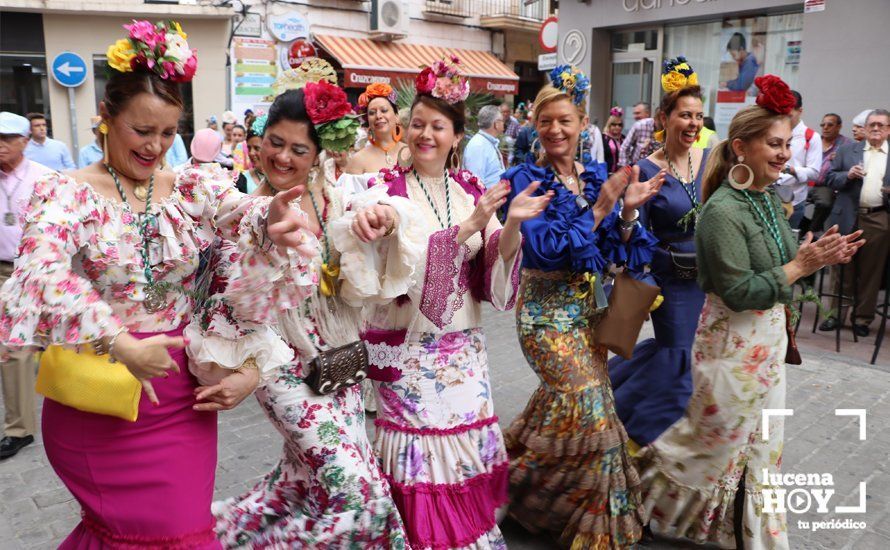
691, 473
439, 443
570, 472
326, 492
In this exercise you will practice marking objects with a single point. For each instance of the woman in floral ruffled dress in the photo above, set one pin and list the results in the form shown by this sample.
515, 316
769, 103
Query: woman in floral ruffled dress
437, 435
110, 258
327, 490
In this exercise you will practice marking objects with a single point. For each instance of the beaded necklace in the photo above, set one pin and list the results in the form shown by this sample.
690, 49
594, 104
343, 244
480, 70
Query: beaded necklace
684, 183
429, 199
155, 294
771, 224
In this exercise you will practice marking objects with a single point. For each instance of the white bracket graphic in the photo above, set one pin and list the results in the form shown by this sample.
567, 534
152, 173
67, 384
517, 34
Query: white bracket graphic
765, 414
860, 509
854, 412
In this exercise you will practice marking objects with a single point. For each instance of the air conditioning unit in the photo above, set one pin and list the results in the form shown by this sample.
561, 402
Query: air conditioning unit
389, 19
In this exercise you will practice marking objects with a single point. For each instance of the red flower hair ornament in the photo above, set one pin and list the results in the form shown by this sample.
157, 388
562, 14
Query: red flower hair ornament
774, 94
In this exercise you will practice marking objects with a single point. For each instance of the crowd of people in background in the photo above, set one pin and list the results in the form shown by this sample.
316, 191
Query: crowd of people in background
284, 242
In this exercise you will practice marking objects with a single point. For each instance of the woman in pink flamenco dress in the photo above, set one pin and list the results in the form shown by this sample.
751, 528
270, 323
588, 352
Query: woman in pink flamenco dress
110, 257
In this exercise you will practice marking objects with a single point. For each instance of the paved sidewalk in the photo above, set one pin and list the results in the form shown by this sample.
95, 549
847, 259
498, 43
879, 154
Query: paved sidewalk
37, 512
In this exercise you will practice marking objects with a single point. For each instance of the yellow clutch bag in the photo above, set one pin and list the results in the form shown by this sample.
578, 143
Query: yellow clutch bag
88, 382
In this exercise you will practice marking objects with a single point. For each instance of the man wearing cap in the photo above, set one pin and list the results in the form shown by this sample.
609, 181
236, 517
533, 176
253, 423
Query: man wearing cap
93, 152
19, 368
49, 152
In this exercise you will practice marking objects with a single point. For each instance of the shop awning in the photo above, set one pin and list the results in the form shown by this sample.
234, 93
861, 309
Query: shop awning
365, 61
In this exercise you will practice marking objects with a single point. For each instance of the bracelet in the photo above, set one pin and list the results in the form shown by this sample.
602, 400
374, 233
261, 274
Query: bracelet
248, 364
625, 225
100, 347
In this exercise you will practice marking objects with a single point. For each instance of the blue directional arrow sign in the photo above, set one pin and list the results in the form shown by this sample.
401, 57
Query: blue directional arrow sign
69, 69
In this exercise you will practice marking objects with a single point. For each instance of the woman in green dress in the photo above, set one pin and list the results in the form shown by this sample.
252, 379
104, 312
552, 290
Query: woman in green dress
702, 477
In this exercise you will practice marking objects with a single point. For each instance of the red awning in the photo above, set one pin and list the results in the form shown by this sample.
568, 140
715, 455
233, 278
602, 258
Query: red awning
366, 61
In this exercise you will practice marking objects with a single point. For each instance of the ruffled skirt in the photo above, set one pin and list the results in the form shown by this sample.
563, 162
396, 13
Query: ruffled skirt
326, 492
691, 473
439, 443
570, 473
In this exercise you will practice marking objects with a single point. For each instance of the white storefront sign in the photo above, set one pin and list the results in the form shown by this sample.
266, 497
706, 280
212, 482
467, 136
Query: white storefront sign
288, 27
547, 61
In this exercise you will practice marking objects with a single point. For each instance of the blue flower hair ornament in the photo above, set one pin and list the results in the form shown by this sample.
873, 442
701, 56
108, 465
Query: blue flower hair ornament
571, 81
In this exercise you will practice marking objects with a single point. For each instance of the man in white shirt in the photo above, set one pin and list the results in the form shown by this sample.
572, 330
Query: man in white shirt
860, 173
803, 167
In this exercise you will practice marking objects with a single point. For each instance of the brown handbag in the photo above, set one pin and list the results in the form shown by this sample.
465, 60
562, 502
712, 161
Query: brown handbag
629, 305
338, 368
792, 354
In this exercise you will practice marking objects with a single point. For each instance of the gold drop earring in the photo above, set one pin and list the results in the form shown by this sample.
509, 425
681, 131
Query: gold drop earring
103, 129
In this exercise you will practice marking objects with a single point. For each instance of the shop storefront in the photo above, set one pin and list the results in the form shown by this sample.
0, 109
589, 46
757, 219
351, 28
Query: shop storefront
826, 55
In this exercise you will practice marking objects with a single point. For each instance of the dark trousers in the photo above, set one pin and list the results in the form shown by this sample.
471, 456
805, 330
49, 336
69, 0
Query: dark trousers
870, 261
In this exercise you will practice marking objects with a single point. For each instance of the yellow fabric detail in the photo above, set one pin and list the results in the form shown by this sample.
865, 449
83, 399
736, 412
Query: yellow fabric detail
657, 303
590, 279
329, 276
704, 136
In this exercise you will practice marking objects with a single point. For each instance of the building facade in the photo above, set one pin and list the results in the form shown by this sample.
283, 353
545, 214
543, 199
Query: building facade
832, 51
385, 41
33, 32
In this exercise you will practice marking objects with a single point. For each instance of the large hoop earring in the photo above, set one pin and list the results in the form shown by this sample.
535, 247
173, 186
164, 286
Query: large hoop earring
740, 186
405, 161
454, 161
397, 133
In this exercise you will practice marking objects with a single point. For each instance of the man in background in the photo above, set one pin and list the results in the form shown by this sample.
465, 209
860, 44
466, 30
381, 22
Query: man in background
482, 155
803, 166
18, 370
639, 138
45, 150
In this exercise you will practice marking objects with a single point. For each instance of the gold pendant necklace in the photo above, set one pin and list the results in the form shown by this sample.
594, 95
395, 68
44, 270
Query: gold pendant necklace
140, 192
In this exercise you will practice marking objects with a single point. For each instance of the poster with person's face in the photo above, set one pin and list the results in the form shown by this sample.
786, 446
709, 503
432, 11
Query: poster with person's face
741, 62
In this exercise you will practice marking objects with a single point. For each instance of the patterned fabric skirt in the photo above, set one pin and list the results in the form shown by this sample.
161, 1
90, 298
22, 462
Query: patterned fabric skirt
691, 473
144, 484
570, 473
326, 492
439, 442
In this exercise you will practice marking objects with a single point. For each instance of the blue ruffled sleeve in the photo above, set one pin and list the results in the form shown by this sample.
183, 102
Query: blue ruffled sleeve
562, 237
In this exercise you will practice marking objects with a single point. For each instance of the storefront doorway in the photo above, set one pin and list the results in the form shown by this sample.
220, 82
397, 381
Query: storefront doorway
636, 56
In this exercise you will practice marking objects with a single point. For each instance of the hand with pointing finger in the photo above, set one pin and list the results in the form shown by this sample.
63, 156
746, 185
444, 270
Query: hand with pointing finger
286, 225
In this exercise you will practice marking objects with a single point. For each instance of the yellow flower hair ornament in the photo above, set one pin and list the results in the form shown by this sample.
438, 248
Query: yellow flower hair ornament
677, 74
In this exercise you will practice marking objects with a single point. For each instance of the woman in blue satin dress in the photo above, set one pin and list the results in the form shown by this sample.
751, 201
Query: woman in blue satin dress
652, 389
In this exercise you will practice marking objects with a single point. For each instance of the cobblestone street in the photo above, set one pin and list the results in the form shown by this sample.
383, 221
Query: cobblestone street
37, 512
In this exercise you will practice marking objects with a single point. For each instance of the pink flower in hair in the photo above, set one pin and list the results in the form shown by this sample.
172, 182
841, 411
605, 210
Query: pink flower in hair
189, 68
146, 32
443, 81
